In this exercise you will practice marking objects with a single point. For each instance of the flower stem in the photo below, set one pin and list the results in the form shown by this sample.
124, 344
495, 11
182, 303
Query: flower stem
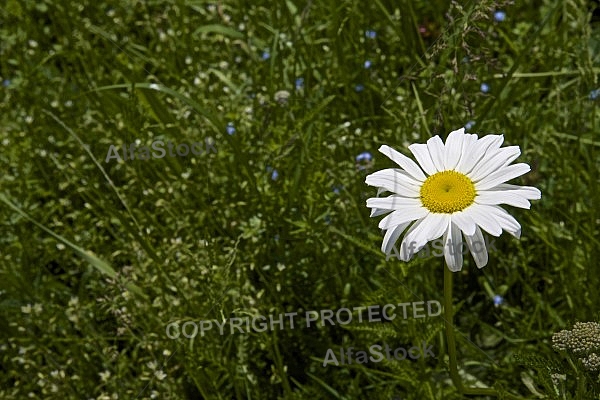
448, 318
450, 339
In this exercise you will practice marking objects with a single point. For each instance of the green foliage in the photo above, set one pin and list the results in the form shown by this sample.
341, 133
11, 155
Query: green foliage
574, 373
97, 258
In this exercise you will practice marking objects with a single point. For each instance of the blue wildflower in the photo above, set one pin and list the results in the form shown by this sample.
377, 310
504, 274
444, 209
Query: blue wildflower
266, 55
498, 300
359, 88
364, 160
337, 188
469, 125
230, 129
485, 87
370, 34
6, 83
364, 156
499, 16
299, 83
367, 64
594, 94
274, 173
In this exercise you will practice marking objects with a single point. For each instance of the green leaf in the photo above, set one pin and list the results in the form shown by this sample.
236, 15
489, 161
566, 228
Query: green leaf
219, 29
212, 119
94, 261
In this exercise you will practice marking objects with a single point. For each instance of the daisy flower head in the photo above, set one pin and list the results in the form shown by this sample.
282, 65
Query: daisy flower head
454, 191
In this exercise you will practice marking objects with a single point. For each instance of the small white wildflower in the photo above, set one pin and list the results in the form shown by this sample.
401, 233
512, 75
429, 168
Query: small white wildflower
104, 376
282, 97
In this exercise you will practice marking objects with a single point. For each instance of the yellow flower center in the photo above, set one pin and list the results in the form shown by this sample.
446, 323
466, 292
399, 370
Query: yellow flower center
447, 192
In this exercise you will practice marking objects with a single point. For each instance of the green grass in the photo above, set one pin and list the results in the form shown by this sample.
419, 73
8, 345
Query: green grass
97, 258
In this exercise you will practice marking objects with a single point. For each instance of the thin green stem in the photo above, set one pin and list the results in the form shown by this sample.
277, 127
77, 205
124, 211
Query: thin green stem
451, 341
543, 74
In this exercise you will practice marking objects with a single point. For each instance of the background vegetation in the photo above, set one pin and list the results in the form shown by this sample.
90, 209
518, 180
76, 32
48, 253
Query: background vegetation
98, 258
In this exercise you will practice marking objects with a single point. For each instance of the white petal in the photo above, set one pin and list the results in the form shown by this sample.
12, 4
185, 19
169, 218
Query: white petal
479, 150
406, 254
453, 148
406, 163
375, 212
511, 157
394, 180
502, 175
469, 145
502, 218
437, 151
506, 221
391, 236
421, 153
491, 164
495, 142
477, 247
392, 202
403, 216
464, 221
453, 248
438, 224
429, 228
510, 197
486, 221
529, 192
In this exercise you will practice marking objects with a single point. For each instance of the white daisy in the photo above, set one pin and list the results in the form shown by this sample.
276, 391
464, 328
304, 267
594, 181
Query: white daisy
454, 191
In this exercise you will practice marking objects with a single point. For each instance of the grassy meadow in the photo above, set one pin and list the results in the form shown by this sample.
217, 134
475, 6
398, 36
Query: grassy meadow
102, 255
